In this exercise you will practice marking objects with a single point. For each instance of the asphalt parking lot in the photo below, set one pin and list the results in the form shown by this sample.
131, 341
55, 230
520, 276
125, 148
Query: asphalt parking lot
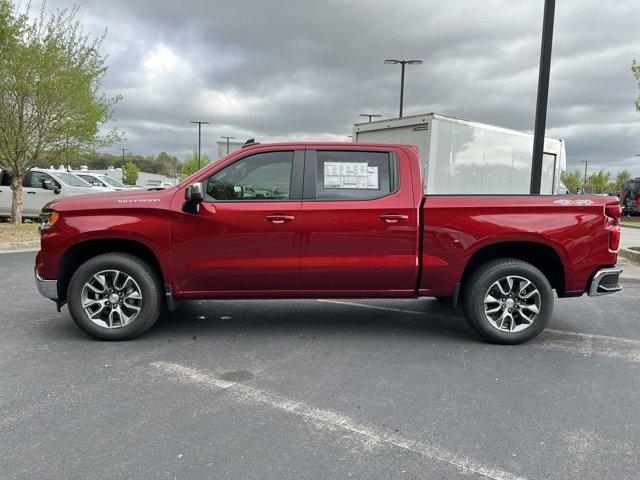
318, 389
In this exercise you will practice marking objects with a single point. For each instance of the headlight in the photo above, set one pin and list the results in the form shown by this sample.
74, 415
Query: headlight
47, 220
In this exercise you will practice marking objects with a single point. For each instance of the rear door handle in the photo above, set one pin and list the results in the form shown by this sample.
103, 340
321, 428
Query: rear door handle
393, 218
31, 193
279, 218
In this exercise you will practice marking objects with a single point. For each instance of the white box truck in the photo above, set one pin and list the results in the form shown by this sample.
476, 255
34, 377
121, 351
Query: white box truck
465, 157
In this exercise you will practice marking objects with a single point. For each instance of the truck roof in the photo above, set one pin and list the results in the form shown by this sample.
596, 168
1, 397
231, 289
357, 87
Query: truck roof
323, 144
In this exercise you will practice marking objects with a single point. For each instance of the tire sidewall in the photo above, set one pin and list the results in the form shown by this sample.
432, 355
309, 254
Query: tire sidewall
479, 290
135, 268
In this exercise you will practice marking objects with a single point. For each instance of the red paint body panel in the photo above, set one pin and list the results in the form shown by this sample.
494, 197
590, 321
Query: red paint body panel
330, 248
346, 245
456, 227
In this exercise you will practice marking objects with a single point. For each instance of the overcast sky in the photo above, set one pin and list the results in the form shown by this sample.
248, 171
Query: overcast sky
297, 69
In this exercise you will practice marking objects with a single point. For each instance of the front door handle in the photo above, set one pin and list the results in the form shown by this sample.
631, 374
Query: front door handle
279, 218
393, 218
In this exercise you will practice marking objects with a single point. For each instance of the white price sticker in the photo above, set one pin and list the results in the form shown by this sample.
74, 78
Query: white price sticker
352, 175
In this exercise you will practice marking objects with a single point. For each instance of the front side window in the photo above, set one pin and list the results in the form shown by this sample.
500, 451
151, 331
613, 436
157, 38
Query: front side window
92, 180
351, 175
72, 180
114, 183
263, 176
38, 178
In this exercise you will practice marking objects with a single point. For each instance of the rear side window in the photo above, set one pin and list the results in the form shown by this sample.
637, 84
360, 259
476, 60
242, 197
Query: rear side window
5, 179
352, 175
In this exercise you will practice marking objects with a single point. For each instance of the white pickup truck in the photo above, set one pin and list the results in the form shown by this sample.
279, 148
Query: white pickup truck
40, 186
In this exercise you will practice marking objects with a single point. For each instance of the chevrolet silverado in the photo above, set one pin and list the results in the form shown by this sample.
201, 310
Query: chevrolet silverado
324, 220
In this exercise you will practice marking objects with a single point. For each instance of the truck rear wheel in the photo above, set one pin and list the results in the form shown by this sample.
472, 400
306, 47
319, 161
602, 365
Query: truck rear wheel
115, 296
507, 301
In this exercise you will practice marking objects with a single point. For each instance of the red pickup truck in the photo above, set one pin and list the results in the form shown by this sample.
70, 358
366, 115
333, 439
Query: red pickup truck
316, 220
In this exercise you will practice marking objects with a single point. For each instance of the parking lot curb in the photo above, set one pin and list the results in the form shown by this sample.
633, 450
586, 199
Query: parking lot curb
12, 247
633, 255
630, 225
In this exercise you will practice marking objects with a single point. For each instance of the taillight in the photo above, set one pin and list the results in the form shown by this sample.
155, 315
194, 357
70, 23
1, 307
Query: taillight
638, 200
614, 211
614, 239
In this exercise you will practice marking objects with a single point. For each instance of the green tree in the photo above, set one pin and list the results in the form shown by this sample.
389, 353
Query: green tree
50, 103
600, 181
573, 180
190, 165
170, 164
130, 173
621, 179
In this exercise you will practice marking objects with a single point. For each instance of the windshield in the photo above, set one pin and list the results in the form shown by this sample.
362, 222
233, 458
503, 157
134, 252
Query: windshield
71, 179
112, 182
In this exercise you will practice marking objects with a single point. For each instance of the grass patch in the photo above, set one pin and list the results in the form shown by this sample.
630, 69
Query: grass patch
630, 224
23, 232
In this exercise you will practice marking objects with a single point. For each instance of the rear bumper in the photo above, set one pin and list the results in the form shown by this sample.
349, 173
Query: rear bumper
47, 288
605, 281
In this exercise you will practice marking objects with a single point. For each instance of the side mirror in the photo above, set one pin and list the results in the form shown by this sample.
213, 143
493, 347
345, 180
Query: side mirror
192, 198
50, 185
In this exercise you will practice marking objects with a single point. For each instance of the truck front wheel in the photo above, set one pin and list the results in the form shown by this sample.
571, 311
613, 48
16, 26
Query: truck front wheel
507, 301
115, 296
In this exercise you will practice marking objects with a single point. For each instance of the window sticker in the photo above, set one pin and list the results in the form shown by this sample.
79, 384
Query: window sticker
351, 175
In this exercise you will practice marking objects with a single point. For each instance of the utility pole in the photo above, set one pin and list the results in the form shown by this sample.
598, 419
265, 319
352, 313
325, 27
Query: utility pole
543, 96
199, 138
370, 115
402, 63
586, 164
123, 150
228, 138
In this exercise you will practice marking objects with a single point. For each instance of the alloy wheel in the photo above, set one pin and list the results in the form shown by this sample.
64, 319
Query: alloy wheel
111, 299
512, 304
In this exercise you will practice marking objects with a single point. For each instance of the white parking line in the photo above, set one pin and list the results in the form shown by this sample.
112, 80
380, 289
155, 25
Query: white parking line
593, 336
551, 339
326, 418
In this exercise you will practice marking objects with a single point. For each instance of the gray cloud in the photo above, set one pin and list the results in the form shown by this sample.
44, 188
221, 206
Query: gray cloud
305, 69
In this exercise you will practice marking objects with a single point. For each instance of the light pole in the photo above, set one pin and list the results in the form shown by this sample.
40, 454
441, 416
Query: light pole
370, 115
586, 164
543, 96
228, 138
199, 138
402, 64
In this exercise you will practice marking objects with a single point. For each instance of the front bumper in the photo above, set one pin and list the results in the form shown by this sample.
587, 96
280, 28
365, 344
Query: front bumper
605, 281
47, 288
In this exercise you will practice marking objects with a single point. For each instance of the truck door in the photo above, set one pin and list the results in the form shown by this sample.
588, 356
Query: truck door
245, 238
358, 224
34, 195
6, 195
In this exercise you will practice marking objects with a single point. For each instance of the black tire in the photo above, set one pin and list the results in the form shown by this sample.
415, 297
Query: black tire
480, 281
146, 278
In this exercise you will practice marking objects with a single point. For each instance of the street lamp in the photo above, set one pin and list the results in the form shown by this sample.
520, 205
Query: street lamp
402, 64
199, 138
370, 115
228, 138
543, 96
